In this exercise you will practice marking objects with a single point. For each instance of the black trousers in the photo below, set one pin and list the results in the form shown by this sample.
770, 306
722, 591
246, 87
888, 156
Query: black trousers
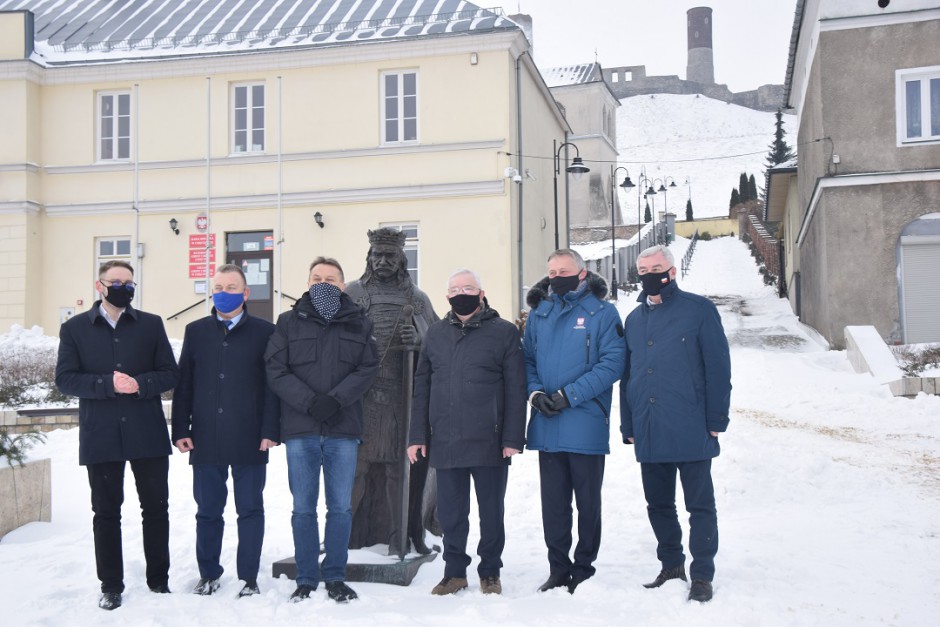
560, 476
107, 496
453, 509
659, 485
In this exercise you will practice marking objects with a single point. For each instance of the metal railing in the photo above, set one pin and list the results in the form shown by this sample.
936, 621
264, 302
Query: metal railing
687, 257
181, 312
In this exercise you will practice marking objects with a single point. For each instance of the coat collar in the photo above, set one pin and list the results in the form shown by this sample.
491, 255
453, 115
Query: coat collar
668, 293
94, 313
590, 299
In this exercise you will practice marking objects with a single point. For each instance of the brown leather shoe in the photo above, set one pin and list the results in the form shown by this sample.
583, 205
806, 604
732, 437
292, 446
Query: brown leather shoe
450, 585
491, 585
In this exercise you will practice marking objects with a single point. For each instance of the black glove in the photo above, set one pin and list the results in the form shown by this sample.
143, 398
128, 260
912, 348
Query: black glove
543, 404
325, 408
559, 401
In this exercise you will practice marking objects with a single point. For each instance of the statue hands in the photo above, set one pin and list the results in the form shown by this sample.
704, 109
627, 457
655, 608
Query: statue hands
409, 335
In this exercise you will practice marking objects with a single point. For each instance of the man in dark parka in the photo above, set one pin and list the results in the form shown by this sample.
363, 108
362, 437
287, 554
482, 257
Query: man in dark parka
469, 415
225, 415
118, 361
320, 361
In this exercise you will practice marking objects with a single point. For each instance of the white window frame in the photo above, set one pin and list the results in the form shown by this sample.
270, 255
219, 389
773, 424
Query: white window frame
400, 98
114, 122
411, 243
924, 75
249, 118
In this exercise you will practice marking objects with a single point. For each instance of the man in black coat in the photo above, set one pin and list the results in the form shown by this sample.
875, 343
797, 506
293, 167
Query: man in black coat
469, 412
117, 361
225, 415
320, 361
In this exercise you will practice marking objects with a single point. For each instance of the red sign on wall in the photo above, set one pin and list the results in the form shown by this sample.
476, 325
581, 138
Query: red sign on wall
197, 254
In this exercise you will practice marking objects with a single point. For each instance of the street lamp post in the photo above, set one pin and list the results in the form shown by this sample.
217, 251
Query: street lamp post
642, 181
576, 169
627, 184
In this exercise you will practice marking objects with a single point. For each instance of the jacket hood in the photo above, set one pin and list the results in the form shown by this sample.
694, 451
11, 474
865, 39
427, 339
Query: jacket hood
539, 292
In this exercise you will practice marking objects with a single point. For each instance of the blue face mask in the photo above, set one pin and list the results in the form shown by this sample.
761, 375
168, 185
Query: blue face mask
226, 302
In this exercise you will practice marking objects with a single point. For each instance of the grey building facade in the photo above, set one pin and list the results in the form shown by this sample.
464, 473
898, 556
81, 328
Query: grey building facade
866, 237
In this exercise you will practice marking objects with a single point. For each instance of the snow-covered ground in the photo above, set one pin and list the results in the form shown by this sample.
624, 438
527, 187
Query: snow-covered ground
828, 493
688, 137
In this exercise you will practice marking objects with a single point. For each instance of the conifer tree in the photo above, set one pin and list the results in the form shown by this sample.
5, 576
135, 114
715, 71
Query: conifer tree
688, 210
743, 187
780, 151
752, 188
735, 198
647, 216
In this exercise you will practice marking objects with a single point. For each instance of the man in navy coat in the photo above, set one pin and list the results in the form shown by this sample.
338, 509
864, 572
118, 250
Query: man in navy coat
225, 416
674, 400
118, 361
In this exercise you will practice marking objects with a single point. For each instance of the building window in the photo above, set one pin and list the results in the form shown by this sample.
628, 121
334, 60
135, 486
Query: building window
111, 249
410, 229
248, 118
918, 105
114, 126
399, 107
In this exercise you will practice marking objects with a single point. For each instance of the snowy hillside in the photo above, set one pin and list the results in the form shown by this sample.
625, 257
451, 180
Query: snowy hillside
693, 137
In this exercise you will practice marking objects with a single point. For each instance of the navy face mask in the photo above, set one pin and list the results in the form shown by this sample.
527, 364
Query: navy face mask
561, 285
653, 282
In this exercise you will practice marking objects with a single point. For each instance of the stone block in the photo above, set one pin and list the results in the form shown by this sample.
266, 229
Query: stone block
26, 494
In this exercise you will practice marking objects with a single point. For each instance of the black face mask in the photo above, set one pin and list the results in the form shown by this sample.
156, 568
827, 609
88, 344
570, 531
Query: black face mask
464, 304
120, 297
653, 282
561, 285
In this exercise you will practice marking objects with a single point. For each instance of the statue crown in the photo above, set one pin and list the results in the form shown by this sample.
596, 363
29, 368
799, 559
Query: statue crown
385, 235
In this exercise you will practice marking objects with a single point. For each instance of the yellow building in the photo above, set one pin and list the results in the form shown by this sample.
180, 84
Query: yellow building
282, 128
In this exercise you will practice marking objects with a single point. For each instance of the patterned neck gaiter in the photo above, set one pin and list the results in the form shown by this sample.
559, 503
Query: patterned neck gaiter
325, 299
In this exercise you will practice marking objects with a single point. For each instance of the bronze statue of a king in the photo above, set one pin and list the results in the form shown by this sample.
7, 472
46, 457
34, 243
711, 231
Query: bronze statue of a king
401, 314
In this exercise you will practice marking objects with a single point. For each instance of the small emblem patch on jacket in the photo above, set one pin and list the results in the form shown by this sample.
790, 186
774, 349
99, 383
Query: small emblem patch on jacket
580, 324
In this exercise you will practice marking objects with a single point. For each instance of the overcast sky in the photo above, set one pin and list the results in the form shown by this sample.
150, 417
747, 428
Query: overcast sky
751, 38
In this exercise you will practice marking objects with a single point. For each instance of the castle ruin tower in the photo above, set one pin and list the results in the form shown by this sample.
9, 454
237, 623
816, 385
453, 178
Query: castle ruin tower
701, 66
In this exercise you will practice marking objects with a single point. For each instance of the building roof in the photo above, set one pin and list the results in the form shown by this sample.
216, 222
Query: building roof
572, 75
95, 31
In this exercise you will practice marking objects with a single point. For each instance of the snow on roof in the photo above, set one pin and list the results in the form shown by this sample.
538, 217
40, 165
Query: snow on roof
94, 31
786, 165
571, 75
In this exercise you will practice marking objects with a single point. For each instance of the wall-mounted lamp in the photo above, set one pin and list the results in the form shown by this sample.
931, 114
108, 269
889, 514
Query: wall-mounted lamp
173, 224
319, 219
474, 58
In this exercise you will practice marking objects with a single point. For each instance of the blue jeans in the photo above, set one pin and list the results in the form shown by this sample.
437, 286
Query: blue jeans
210, 492
337, 456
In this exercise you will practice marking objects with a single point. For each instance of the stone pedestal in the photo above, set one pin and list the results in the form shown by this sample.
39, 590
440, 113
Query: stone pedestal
25, 494
369, 567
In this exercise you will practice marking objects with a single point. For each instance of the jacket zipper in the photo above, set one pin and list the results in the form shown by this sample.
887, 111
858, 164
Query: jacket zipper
587, 352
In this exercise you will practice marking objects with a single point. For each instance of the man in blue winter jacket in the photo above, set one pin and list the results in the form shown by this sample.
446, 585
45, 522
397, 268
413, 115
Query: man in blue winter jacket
574, 353
674, 400
225, 416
